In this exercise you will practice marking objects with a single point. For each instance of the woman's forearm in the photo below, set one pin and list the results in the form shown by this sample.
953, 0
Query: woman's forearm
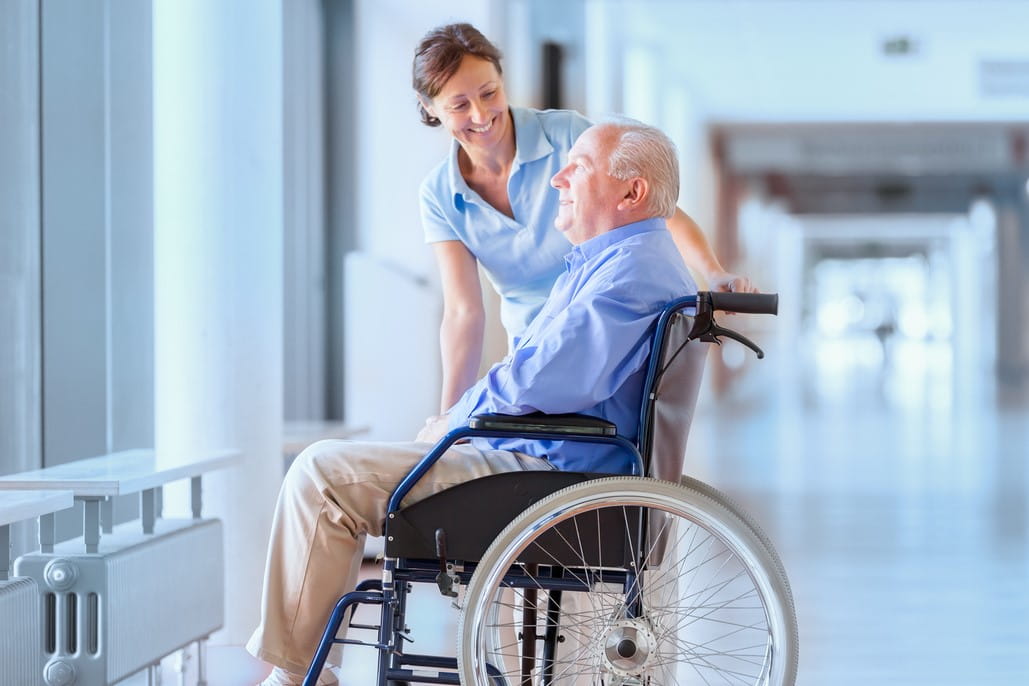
693, 245
463, 326
700, 258
460, 340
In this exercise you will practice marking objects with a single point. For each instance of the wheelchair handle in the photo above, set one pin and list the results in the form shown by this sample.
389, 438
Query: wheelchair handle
744, 303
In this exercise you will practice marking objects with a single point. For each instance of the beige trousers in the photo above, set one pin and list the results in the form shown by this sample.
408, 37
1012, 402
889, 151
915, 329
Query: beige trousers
333, 495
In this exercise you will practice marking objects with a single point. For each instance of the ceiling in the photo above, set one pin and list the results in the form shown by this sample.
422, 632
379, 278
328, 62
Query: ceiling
836, 60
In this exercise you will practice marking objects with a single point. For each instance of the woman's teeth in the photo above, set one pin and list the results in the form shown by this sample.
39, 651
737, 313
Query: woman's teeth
483, 129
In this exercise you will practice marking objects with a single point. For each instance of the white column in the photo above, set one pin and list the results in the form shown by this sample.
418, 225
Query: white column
218, 216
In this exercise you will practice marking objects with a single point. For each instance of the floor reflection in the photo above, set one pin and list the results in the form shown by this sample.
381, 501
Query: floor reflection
903, 528
902, 524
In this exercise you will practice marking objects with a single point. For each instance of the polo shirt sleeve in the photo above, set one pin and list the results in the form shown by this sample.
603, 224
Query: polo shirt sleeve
435, 224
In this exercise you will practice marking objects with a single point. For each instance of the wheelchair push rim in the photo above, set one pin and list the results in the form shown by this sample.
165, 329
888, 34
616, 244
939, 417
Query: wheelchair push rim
707, 600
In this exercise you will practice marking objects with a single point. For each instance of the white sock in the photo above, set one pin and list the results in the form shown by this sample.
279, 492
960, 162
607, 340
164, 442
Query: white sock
280, 677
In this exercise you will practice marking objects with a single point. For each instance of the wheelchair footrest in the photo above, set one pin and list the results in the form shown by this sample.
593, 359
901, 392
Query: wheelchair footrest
422, 677
355, 642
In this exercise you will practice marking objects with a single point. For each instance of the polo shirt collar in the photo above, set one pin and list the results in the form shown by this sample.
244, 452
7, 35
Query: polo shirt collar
457, 183
531, 144
584, 252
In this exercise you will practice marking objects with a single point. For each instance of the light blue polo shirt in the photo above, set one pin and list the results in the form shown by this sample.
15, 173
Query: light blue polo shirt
523, 256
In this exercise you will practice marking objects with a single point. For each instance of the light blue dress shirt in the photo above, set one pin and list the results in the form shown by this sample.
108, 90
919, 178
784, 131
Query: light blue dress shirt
587, 349
522, 257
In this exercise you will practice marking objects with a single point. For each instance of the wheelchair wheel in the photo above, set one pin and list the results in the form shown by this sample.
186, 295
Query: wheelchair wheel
656, 583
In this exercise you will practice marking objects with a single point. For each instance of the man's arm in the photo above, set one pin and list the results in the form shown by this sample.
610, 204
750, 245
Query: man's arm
572, 362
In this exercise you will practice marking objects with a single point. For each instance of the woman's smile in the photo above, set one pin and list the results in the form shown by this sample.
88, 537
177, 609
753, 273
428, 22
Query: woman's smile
485, 128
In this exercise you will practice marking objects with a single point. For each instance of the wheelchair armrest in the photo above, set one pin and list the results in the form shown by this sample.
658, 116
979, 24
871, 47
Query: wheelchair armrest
573, 424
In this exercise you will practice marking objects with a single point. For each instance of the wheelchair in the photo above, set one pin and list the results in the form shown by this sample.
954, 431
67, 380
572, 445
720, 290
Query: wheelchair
575, 578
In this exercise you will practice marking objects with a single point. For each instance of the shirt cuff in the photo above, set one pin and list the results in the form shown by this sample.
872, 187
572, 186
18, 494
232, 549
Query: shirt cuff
457, 416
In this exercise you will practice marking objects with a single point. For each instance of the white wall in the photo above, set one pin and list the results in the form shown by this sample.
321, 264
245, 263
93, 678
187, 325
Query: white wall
20, 311
394, 149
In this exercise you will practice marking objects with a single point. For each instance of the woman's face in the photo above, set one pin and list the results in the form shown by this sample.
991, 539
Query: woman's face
472, 105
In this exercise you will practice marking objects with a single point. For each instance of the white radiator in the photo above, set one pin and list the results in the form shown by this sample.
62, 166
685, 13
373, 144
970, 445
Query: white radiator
108, 615
19, 632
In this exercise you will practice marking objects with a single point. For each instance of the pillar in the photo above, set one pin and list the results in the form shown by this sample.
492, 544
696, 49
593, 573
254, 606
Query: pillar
218, 217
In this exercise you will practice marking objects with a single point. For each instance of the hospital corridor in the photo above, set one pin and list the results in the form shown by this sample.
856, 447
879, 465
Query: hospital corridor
231, 230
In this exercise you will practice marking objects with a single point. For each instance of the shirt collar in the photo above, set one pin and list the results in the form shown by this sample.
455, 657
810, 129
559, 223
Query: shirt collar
531, 144
582, 253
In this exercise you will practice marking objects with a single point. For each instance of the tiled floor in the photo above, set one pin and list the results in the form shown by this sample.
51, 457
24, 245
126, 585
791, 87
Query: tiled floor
899, 507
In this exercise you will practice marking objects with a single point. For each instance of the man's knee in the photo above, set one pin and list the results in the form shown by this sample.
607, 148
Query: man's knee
313, 466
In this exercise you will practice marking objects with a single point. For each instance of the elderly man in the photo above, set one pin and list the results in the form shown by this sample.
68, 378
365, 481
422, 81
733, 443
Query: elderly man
585, 352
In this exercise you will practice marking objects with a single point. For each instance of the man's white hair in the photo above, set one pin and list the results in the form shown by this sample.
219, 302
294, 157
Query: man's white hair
646, 152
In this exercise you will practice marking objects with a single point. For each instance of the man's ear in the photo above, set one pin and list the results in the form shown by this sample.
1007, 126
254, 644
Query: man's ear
635, 195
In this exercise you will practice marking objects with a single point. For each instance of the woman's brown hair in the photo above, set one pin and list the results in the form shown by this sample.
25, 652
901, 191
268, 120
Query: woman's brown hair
438, 56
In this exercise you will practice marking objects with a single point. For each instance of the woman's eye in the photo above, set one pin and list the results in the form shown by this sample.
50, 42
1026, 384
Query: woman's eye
458, 107
489, 94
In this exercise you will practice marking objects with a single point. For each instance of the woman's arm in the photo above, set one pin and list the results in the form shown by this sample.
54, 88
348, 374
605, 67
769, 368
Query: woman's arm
697, 254
461, 333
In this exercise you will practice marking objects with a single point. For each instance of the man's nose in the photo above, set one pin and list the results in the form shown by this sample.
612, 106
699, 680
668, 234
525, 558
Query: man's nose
558, 179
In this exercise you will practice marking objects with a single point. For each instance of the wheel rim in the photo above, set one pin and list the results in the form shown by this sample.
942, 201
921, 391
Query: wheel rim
709, 613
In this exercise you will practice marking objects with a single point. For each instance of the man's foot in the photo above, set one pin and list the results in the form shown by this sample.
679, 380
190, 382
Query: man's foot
280, 677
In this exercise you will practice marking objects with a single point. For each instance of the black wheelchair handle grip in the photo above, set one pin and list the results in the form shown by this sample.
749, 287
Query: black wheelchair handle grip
746, 303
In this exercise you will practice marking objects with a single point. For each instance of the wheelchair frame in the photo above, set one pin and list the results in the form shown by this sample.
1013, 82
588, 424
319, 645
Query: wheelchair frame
390, 592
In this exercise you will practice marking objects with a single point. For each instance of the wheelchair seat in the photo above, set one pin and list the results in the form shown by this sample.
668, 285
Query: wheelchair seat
471, 514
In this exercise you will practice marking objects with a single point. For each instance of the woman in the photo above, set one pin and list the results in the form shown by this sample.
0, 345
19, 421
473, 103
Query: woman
490, 201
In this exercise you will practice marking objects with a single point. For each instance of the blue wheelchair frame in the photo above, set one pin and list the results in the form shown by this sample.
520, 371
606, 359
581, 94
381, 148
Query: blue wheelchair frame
391, 591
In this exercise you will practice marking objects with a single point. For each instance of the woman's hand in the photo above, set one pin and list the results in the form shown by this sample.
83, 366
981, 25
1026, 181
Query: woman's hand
729, 282
435, 428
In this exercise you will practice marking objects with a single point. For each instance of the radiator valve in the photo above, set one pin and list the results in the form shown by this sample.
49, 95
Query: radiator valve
59, 673
60, 575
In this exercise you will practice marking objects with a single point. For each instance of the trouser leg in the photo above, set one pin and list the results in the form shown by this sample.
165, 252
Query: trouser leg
335, 493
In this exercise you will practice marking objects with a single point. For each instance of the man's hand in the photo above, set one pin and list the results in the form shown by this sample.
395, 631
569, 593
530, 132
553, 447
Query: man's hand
731, 283
434, 429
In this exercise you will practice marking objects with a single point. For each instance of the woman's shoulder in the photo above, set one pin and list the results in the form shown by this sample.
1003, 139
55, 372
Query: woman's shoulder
560, 128
436, 183
554, 121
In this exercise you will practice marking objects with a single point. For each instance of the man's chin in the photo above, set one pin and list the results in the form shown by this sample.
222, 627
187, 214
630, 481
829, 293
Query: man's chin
561, 226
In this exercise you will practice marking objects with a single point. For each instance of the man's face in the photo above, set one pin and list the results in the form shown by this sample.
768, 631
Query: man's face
589, 197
